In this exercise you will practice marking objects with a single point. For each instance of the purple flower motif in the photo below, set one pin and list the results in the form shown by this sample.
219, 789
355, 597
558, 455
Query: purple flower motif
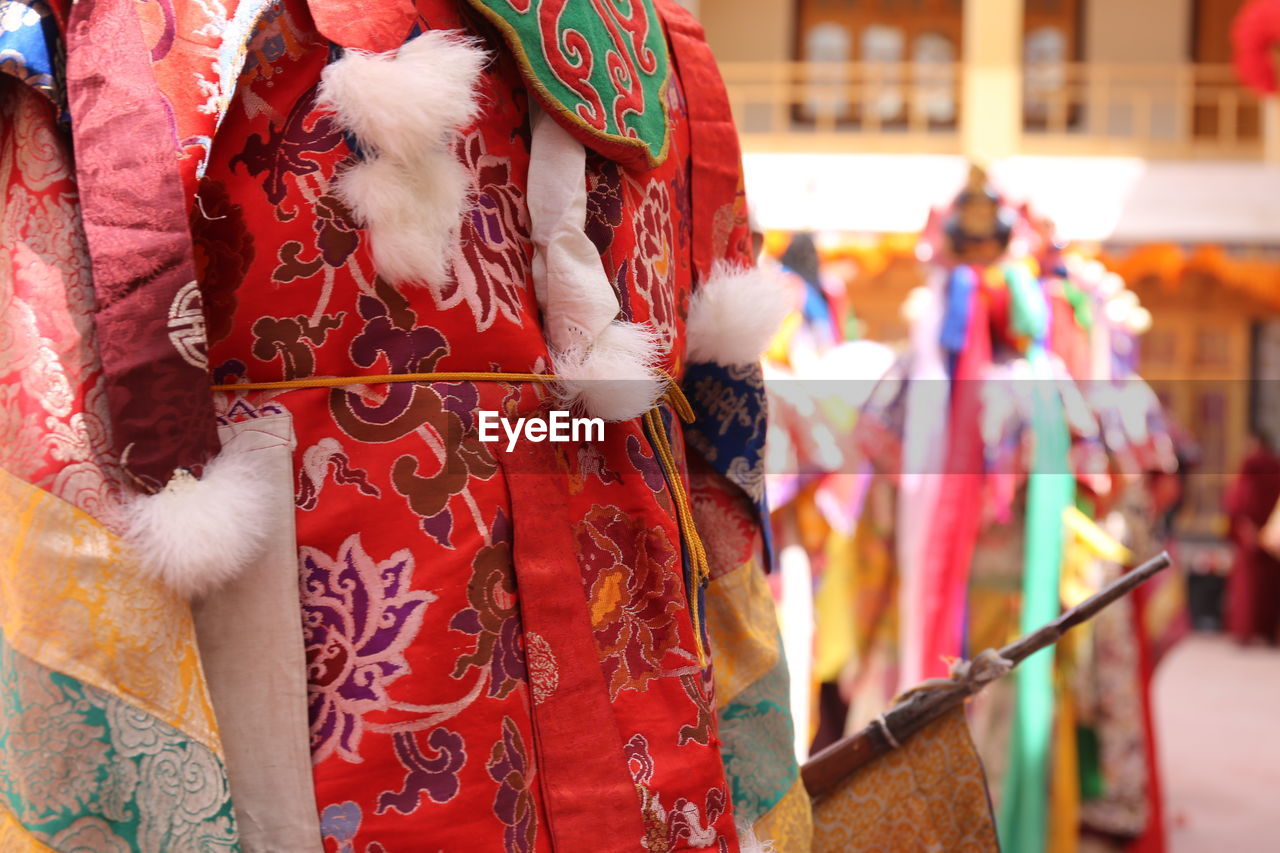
647, 464
358, 618
493, 618
384, 346
439, 527
289, 150
461, 398
604, 200
494, 253
513, 804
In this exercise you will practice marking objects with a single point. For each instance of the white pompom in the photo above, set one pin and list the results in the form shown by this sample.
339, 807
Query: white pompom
195, 535
734, 315
413, 216
410, 191
614, 377
400, 102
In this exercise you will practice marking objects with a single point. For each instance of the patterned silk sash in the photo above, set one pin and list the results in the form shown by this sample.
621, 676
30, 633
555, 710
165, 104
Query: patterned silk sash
150, 322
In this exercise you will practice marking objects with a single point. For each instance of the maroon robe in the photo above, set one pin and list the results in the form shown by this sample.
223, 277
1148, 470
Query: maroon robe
1253, 591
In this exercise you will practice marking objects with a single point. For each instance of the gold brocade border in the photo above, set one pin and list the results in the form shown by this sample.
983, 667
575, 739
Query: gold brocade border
743, 628
16, 838
788, 826
929, 794
72, 600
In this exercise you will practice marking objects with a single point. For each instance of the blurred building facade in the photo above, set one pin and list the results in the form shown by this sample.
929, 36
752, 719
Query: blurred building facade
1121, 121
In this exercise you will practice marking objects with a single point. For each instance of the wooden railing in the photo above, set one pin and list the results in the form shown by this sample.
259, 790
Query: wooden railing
1144, 110
856, 105
1158, 111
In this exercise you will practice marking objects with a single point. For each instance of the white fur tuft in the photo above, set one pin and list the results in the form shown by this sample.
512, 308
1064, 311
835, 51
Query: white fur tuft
613, 378
196, 535
410, 191
413, 215
733, 315
401, 102
748, 843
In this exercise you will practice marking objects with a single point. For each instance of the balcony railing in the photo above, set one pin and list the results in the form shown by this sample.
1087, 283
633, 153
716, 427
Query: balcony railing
1143, 110
1170, 111
846, 106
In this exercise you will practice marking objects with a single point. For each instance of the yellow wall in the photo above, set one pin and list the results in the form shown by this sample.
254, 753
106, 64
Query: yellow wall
748, 30
992, 92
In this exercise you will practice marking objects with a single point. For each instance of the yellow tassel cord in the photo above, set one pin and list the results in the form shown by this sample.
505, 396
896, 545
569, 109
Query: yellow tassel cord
343, 381
653, 421
684, 518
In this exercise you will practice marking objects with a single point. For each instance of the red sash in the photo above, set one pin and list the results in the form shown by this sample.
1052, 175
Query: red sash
716, 157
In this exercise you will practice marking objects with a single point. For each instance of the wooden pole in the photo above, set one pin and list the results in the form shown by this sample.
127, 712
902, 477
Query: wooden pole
931, 700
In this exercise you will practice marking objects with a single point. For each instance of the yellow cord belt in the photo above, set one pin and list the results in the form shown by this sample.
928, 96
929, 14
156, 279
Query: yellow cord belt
653, 423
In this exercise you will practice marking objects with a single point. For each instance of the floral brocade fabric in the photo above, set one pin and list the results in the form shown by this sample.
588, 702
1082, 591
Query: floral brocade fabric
429, 658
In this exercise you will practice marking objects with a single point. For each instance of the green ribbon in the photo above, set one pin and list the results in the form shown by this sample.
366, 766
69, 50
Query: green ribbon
1023, 820
1081, 303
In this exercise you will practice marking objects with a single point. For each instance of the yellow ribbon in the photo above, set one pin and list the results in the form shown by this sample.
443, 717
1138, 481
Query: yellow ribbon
1102, 544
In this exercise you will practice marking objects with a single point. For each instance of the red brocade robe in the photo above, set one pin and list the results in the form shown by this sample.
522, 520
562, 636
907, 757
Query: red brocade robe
500, 647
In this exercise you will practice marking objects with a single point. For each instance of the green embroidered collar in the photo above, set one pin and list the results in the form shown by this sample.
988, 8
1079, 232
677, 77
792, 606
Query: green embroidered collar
600, 66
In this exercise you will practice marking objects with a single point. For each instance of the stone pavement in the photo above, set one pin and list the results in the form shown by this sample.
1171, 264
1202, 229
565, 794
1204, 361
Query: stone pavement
1217, 710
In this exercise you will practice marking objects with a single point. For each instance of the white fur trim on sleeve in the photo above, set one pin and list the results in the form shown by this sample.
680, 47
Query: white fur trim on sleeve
195, 535
403, 106
400, 101
413, 216
734, 315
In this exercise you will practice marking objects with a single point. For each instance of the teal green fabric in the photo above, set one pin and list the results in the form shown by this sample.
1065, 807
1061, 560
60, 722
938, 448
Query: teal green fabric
1023, 819
758, 745
1089, 756
1050, 490
1029, 310
603, 68
82, 769
1081, 303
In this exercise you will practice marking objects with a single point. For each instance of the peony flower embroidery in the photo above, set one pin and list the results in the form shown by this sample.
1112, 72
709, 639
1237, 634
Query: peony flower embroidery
653, 260
508, 765
359, 616
492, 265
493, 617
633, 592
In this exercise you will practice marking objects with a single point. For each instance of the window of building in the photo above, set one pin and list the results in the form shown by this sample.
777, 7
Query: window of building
830, 47
1044, 53
883, 49
828, 42
934, 56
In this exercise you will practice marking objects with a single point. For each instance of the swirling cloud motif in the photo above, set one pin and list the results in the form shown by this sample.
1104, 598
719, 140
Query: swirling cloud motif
434, 774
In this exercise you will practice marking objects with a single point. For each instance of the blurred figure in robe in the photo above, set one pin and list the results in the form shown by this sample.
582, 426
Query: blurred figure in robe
1253, 591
